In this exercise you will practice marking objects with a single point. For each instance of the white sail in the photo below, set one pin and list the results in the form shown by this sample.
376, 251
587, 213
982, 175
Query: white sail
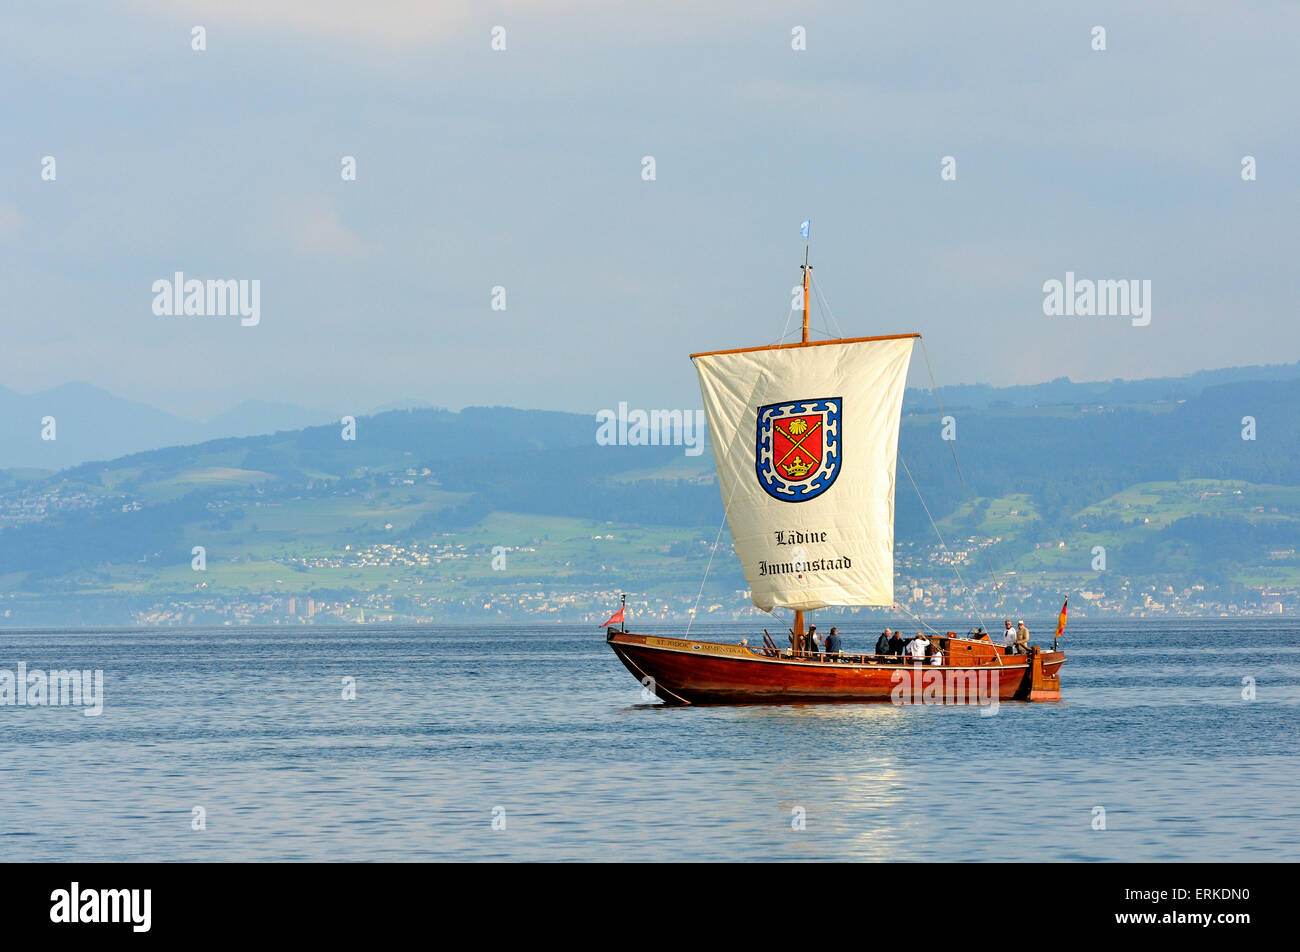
805, 440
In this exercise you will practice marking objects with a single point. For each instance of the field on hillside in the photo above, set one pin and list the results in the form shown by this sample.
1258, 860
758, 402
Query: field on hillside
1109, 500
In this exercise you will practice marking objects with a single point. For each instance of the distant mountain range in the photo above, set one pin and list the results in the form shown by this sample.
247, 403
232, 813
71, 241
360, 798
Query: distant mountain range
1063, 392
1189, 487
93, 424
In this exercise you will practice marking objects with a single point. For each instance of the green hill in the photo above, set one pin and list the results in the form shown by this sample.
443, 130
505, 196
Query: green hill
409, 516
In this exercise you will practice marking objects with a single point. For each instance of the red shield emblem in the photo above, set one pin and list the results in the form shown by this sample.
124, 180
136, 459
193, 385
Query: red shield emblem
797, 446
797, 455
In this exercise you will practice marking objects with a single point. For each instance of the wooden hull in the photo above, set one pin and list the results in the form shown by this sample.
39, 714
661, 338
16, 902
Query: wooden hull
704, 672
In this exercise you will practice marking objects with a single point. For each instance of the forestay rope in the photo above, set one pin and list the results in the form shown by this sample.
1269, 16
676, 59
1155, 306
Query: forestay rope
725, 506
826, 307
917, 618
943, 543
952, 445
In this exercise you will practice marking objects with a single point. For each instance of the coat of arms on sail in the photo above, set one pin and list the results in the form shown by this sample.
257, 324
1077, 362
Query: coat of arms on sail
798, 450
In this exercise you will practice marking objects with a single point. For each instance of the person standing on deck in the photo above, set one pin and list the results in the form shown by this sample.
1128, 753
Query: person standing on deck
1009, 636
813, 639
833, 642
882, 644
916, 648
896, 644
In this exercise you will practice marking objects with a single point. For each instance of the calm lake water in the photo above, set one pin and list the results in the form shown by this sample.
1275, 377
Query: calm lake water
547, 729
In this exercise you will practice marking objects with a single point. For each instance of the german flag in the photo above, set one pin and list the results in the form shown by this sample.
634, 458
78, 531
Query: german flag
1060, 621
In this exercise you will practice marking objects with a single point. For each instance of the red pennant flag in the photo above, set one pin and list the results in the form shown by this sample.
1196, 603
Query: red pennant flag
616, 618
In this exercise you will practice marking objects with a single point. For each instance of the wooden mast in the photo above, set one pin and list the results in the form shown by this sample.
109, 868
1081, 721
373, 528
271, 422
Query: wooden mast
807, 275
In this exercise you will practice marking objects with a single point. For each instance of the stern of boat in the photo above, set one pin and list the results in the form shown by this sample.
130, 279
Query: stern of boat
1043, 680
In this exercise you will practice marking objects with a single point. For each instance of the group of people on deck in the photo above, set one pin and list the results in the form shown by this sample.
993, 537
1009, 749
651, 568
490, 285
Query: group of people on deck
918, 649
1015, 640
814, 643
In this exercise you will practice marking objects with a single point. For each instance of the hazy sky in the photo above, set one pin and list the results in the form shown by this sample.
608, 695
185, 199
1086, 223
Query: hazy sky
523, 168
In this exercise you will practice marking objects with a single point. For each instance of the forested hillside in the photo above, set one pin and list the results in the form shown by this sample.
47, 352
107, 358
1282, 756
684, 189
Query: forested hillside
1203, 506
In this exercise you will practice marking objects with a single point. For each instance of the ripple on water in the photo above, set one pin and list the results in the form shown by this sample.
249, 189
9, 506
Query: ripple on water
553, 741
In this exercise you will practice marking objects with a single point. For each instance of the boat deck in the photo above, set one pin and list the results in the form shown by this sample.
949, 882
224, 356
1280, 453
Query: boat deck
683, 671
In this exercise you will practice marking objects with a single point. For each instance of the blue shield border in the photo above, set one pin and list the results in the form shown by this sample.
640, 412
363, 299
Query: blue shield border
802, 491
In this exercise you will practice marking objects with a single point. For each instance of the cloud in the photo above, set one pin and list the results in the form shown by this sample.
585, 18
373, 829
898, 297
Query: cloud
405, 24
395, 23
314, 229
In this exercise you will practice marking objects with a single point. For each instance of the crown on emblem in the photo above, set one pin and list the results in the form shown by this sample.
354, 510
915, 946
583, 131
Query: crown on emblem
798, 468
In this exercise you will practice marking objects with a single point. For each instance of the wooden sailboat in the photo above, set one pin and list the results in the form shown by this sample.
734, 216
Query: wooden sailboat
805, 442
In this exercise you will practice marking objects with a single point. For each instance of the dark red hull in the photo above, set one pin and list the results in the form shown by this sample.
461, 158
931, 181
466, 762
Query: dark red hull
703, 672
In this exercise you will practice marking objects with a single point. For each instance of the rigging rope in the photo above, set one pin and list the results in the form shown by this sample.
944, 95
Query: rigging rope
707, 568
943, 543
816, 285
725, 506
952, 445
712, 553
918, 618
785, 330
